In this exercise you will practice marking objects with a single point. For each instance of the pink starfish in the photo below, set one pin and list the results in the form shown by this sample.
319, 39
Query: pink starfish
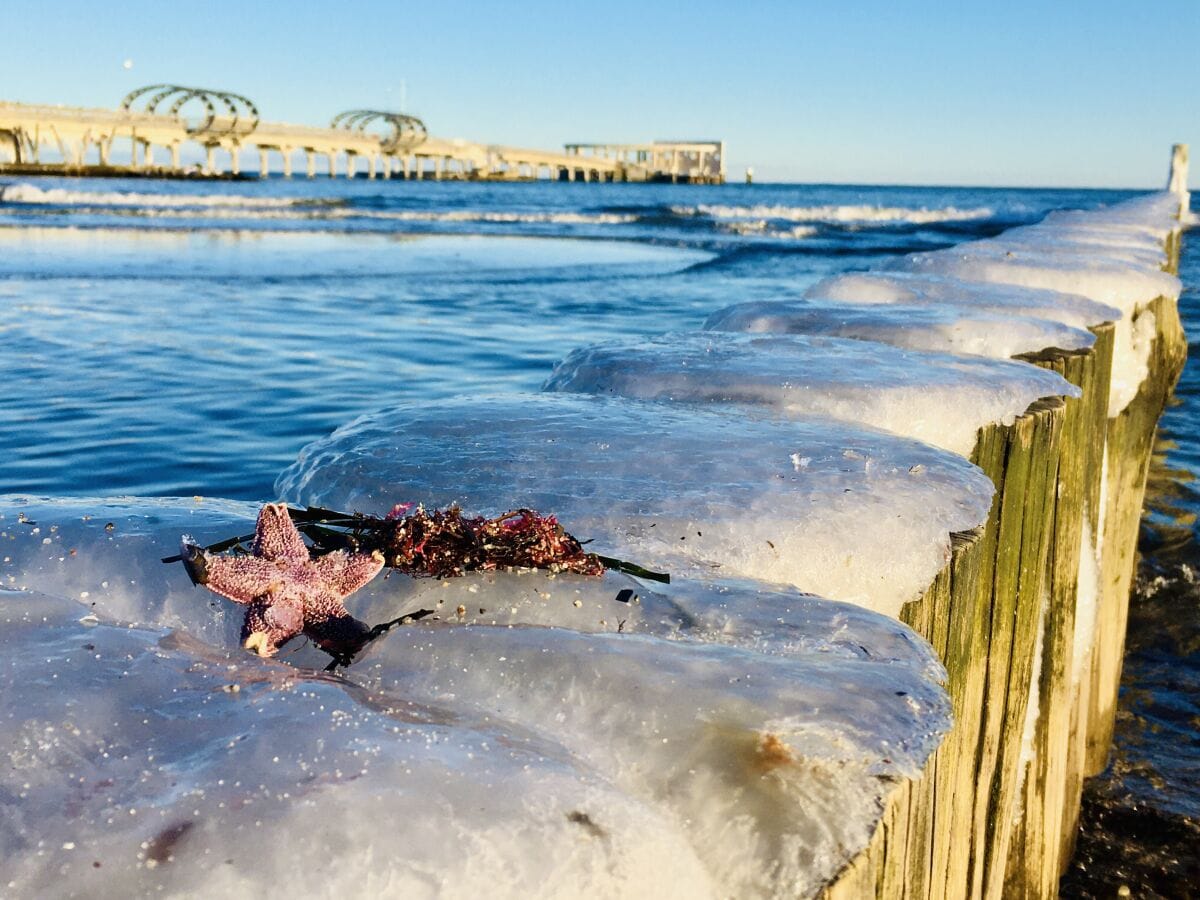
286, 591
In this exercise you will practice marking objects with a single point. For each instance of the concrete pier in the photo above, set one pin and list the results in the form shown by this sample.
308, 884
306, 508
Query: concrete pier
170, 116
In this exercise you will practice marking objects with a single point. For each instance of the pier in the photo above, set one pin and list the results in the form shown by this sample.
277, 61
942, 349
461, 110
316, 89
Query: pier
150, 128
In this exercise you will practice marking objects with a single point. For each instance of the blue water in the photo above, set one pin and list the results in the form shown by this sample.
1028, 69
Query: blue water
182, 338
168, 338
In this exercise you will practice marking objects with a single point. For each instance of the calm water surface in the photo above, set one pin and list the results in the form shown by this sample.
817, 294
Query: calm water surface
181, 339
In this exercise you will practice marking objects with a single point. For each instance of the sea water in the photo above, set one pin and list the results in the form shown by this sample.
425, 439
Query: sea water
181, 339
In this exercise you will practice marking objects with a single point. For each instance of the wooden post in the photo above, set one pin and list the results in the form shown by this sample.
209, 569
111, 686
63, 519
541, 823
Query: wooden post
996, 810
1177, 180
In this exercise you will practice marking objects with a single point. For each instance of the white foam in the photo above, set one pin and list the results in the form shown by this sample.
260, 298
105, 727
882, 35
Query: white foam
837, 214
845, 512
32, 194
245, 207
925, 326
940, 399
765, 229
722, 740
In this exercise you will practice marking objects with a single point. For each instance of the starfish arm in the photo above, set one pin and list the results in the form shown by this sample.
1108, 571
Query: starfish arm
285, 618
268, 626
241, 579
275, 537
344, 573
341, 634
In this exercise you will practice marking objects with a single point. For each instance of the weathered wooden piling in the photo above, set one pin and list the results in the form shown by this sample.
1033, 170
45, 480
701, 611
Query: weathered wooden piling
1033, 657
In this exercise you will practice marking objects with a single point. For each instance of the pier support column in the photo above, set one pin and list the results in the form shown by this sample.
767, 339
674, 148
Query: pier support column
351, 163
148, 158
264, 164
310, 163
287, 161
235, 162
103, 146
331, 156
438, 163
175, 155
388, 162
407, 174
210, 158
371, 167
570, 173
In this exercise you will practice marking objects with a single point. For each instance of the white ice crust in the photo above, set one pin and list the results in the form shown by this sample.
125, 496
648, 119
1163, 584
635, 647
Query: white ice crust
937, 398
846, 512
1072, 270
541, 736
913, 326
1112, 255
908, 288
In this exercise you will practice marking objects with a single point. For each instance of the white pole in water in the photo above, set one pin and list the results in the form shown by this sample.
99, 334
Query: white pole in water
1177, 182
749, 174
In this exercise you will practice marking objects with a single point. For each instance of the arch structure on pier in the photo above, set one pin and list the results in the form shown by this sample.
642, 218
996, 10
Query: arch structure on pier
404, 132
226, 114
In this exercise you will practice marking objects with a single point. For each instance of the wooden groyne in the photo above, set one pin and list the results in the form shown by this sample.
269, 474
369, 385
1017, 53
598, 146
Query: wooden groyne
721, 732
1033, 655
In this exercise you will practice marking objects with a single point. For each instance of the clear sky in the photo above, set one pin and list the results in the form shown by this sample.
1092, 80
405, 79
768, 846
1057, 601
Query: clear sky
1055, 92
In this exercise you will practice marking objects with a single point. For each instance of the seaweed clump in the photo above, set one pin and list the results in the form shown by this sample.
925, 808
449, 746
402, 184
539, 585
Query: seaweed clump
444, 543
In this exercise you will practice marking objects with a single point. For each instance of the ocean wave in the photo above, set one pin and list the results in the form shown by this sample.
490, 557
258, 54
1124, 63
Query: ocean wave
838, 214
32, 194
467, 215
192, 206
763, 228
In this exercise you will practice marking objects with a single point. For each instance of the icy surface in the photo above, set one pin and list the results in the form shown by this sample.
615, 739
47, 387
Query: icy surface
940, 399
1113, 282
557, 736
1074, 268
920, 326
845, 512
906, 288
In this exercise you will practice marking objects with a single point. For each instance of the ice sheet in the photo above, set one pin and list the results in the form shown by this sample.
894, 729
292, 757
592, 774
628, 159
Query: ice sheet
922, 326
1111, 282
691, 740
1114, 256
906, 288
940, 399
846, 512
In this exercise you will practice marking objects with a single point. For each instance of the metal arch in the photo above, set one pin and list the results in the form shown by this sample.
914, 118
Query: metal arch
242, 115
406, 132
186, 94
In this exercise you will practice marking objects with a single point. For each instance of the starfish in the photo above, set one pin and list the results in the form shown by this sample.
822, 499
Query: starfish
285, 591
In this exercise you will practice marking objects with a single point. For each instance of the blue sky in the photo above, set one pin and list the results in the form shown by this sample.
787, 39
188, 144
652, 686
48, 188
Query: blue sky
1016, 93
